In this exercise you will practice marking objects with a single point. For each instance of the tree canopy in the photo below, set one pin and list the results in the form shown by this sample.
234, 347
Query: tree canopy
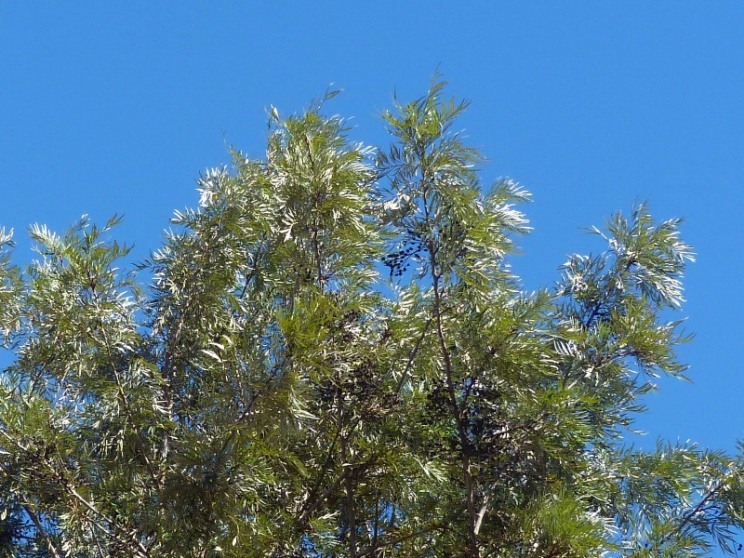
331, 357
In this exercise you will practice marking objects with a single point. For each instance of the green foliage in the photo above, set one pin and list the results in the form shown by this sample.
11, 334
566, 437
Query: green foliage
333, 358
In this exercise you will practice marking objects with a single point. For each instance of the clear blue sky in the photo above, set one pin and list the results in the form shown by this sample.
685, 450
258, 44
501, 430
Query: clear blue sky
117, 106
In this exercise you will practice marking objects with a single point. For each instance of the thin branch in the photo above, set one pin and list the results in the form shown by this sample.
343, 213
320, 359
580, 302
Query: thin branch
93, 534
367, 551
26, 505
157, 479
701, 506
128, 538
412, 356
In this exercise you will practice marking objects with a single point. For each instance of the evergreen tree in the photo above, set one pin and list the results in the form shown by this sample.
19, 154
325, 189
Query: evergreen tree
333, 358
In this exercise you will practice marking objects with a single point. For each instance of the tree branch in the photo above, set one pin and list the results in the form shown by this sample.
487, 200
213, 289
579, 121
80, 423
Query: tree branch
26, 505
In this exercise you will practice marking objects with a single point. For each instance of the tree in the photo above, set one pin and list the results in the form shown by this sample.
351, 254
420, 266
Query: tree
333, 358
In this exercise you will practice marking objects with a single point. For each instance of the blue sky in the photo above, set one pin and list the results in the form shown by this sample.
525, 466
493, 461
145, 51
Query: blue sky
116, 108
